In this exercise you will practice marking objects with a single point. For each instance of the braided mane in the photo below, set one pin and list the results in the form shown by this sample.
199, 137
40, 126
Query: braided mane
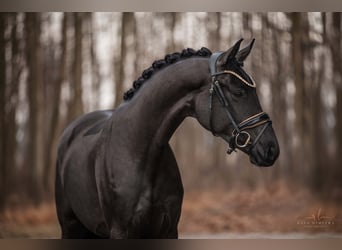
158, 64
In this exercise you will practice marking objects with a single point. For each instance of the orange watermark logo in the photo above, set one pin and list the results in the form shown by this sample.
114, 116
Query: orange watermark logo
316, 220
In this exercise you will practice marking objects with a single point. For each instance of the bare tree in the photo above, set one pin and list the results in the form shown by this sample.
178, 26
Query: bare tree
127, 29
95, 65
35, 150
54, 103
171, 21
277, 75
76, 102
335, 39
3, 174
17, 66
299, 32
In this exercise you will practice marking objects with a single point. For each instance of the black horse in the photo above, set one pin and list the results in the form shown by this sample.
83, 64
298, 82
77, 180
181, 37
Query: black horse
117, 176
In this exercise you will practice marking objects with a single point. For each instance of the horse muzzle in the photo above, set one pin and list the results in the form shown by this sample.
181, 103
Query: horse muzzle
264, 156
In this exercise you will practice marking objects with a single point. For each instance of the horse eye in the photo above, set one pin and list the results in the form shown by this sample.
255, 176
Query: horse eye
239, 93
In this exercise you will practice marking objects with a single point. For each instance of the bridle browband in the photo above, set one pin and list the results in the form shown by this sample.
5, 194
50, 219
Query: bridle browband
239, 131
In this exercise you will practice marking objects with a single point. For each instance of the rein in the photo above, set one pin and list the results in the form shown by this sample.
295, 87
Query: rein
239, 138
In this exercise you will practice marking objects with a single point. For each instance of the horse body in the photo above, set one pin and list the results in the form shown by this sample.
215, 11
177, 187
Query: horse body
116, 174
129, 183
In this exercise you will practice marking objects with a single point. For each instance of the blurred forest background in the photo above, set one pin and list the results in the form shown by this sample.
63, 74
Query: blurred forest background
57, 66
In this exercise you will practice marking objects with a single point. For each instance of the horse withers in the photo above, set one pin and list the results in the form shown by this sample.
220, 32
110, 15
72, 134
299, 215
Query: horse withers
117, 176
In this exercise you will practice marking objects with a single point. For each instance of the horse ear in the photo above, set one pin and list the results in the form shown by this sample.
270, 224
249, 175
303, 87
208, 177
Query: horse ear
229, 54
242, 55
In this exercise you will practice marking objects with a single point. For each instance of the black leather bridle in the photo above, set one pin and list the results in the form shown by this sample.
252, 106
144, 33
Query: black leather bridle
240, 138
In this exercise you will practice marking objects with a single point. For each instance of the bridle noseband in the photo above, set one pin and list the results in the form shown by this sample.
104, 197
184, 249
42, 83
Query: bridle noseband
240, 138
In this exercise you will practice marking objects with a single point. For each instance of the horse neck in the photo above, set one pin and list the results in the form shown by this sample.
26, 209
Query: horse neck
166, 99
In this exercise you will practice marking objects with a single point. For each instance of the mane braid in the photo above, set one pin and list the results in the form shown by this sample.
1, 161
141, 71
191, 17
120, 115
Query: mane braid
159, 64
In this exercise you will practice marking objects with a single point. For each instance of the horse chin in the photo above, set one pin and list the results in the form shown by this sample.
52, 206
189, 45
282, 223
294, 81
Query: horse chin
259, 163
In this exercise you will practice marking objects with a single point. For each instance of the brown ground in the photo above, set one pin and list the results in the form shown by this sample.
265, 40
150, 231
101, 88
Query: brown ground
276, 209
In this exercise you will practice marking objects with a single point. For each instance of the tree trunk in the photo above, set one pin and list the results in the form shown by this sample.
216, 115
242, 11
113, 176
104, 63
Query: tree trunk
171, 25
127, 29
317, 139
278, 91
299, 78
3, 174
96, 76
13, 99
299, 34
51, 144
336, 51
35, 151
76, 103
214, 35
246, 24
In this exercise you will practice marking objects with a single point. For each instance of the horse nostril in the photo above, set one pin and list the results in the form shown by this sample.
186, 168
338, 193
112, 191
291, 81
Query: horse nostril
271, 152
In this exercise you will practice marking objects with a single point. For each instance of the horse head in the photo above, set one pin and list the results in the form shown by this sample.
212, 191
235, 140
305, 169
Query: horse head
229, 107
